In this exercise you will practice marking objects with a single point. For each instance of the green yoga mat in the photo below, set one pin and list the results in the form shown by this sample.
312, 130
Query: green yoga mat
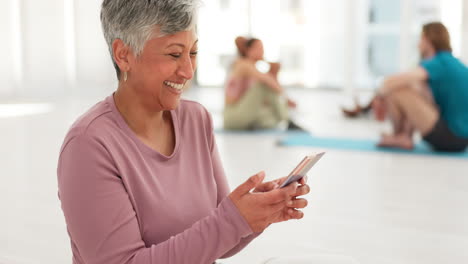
360, 145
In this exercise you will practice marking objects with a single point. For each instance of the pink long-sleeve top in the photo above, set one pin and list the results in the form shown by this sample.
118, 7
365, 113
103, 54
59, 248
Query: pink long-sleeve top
126, 203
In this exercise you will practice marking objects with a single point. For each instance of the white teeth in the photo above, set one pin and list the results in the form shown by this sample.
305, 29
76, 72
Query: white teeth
174, 85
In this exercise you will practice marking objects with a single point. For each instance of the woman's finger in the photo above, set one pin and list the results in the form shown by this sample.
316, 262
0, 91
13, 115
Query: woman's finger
297, 203
295, 214
303, 180
266, 187
302, 190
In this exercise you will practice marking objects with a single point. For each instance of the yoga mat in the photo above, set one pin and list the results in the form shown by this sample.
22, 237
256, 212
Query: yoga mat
360, 145
272, 132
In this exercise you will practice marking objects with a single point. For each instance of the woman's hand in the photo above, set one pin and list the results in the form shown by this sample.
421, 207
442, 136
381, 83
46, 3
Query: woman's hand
290, 211
303, 188
267, 204
274, 68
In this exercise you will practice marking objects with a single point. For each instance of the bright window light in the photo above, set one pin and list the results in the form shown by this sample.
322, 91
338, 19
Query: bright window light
17, 110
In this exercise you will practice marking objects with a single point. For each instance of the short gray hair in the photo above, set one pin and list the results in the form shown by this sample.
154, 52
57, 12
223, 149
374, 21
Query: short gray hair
133, 21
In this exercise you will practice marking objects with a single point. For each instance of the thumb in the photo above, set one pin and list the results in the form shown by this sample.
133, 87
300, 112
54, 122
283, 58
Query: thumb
248, 185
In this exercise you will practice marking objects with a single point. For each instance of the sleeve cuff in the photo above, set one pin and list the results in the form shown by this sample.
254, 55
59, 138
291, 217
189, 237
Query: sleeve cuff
235, 218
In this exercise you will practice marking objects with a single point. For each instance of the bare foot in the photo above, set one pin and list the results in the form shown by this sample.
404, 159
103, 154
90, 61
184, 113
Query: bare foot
401, 141
358, 109
386, 135
352, 112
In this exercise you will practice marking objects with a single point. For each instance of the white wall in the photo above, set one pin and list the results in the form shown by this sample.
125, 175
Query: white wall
7, 66
464, 28
56, 47
52, 48
42, 24
94, 67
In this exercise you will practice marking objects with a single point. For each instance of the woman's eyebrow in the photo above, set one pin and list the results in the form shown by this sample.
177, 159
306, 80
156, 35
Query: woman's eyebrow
180, 44
176, 44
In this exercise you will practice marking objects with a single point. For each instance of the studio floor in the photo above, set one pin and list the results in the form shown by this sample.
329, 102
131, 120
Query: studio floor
364, 207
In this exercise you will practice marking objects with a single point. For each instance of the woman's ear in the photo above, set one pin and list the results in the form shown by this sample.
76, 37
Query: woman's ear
121, 53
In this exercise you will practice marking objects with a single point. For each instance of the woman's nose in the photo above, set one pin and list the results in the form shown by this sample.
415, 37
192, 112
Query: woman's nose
186, 69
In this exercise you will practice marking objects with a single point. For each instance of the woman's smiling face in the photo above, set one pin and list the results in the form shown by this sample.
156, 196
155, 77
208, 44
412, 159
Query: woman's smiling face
159, 74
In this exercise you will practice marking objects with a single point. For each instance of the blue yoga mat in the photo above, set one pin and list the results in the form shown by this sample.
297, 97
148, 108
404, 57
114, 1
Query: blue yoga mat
360, 145
271, 132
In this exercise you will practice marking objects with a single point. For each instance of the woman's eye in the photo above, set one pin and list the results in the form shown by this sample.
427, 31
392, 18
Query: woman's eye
193, 54
175, 55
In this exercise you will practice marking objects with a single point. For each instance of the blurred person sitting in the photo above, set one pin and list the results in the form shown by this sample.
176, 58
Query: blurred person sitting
431, 99
255, 99
140, 178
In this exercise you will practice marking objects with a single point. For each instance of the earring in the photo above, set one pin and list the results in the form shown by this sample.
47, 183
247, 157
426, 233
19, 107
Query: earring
125, 77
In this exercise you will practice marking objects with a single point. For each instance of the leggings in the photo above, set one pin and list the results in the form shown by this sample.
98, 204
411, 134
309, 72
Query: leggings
259, 108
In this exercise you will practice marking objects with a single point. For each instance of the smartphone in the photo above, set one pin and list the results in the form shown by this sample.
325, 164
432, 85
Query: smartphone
302, 168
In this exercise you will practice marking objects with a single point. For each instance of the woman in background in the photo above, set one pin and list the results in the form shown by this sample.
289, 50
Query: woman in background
254, 99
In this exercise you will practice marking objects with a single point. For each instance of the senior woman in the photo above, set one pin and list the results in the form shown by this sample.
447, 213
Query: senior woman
140, 178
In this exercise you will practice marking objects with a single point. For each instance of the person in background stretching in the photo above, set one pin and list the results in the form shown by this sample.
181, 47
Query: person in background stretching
443, 122
140, 179
253, 99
